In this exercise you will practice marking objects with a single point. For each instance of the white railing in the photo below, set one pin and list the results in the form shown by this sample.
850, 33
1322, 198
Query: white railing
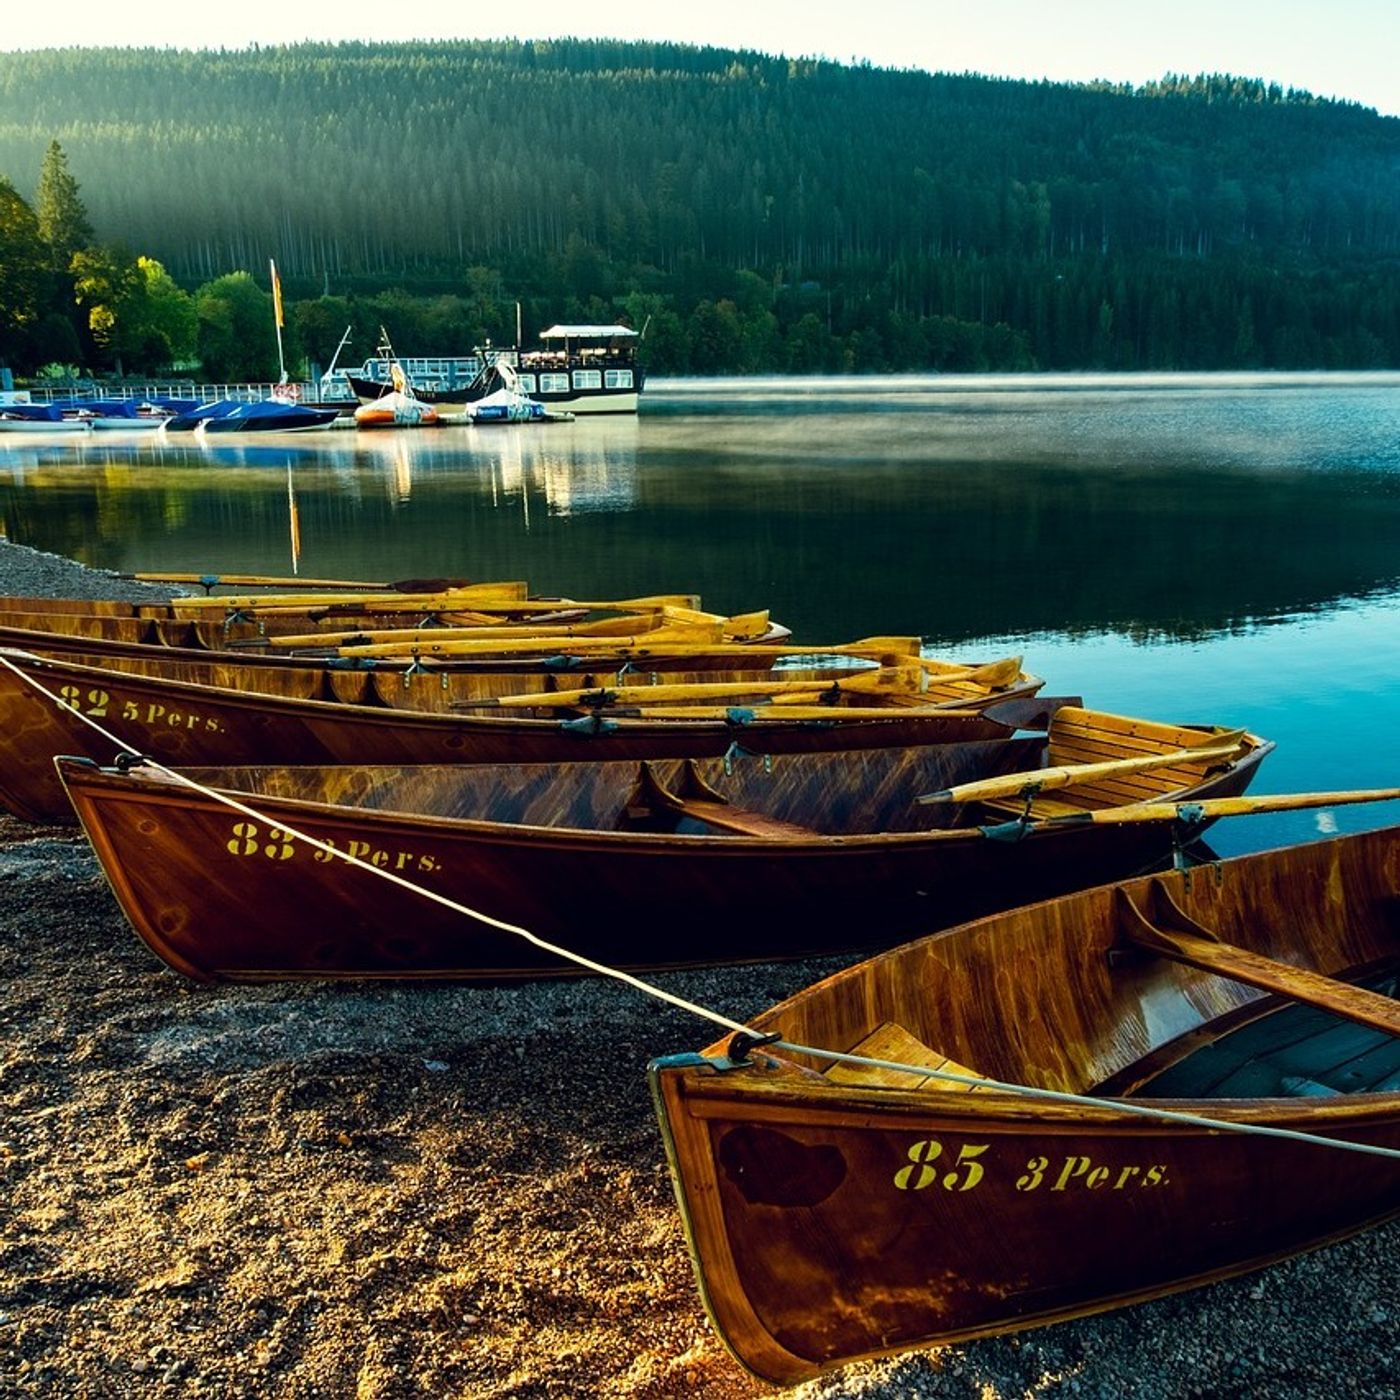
79, 391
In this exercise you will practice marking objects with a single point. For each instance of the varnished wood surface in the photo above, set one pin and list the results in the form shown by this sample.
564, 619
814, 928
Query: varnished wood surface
234, 641
816, 852
195, 712
832, 1220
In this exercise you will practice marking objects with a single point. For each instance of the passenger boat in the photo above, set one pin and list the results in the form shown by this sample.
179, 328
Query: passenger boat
580, 369
847, 1208
575, 368
654, 864
192, 708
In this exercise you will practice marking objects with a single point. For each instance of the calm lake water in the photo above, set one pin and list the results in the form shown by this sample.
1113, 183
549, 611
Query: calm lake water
1196, 548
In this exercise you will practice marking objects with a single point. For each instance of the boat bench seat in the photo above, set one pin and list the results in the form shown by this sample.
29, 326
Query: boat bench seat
697, 800
890, 1041
1078, 736
738, 819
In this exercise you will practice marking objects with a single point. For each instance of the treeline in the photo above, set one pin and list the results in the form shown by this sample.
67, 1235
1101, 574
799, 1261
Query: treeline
756, 213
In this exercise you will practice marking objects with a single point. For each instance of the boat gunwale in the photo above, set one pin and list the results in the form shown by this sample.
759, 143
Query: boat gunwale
627, 725
155, 785
990, 1107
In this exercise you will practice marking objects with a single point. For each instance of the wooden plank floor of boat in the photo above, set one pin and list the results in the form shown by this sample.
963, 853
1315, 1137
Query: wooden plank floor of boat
1295, 1050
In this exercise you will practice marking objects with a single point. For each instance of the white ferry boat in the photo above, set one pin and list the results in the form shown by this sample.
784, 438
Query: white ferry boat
578, 369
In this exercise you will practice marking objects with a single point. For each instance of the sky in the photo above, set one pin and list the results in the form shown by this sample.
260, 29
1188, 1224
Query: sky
1347, 49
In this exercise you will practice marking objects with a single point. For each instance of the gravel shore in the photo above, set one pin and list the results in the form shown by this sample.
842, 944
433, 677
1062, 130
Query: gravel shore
380, 1191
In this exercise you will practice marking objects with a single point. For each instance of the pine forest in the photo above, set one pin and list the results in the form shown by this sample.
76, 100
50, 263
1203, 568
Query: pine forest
754, 214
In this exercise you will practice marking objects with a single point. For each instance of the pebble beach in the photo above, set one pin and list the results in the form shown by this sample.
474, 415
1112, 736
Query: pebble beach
379, 1190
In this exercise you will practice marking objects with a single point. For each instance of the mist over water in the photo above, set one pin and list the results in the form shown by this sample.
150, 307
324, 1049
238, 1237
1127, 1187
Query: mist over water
1206, 548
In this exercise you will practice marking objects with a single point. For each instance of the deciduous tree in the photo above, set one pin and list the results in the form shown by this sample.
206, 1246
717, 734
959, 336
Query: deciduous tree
22, 273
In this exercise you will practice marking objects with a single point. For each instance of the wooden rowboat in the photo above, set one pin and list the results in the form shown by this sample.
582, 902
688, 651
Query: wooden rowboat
670, 863
323, 623
210, 711
839, 1210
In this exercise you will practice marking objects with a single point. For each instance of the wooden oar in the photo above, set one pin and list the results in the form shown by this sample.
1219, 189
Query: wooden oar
259, 581
402, 585
860, 682
646, 603
1211, 807
1038, 780
411, 638
631, 612
489, 611
894, 680
551, 644
643, 648
470, 596
764, 714
913, 682
487, 627
990, 674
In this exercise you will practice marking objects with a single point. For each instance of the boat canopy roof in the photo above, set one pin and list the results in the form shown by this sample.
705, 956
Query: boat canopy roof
587, 332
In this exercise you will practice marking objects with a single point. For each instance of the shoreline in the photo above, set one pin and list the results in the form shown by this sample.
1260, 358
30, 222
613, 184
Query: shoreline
389, 1190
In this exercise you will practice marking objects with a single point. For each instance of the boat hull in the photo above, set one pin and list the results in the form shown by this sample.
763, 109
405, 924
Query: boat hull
223, 895
370, 391
41, 425
823, 1241
297, 420
834, 1221
188, 722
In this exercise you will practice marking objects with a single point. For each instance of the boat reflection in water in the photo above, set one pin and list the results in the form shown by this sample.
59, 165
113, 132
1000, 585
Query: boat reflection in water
584, 472
577, 468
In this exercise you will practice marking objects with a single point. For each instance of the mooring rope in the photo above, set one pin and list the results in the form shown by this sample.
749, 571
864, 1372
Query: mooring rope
1128, 1106
565, 953
1117, 1105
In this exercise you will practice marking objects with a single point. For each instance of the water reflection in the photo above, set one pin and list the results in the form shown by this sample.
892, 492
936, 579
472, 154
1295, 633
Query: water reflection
1145, 507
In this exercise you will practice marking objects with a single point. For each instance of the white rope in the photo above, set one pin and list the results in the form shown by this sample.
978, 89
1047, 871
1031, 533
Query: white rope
704, 1013
221, 797
1129, 1106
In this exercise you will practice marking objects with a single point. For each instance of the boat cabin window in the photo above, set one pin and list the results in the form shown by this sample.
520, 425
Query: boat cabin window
554, 383
617, 379
527, 383
435, 368
588, 379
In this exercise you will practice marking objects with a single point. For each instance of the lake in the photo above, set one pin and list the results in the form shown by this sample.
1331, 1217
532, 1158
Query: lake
1202, 548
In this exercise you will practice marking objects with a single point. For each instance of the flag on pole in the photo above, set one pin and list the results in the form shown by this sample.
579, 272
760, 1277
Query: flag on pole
276, 295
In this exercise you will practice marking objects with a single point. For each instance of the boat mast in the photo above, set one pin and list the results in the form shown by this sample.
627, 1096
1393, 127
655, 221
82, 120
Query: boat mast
338, 349
277, 321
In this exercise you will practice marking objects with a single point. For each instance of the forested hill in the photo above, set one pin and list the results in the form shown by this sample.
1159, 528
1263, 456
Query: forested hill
766, 213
